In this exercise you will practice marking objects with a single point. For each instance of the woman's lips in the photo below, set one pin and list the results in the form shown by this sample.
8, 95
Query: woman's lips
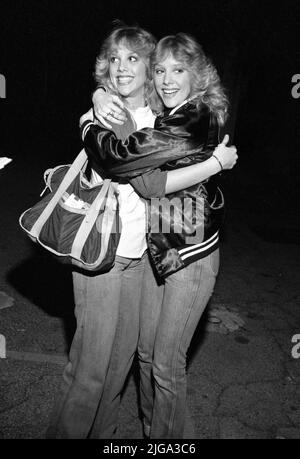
124, 80
169, 92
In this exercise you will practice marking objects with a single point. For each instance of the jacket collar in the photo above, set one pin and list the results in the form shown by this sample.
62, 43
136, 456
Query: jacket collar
186, 101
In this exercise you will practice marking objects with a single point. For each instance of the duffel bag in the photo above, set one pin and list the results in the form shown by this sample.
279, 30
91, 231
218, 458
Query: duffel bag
76, 221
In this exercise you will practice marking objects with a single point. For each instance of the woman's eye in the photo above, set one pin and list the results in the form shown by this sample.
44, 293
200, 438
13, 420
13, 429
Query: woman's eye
158, 71
133, 58
113, 59
179, 70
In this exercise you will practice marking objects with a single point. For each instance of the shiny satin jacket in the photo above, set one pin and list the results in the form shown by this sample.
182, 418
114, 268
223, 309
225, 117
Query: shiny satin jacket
182, 226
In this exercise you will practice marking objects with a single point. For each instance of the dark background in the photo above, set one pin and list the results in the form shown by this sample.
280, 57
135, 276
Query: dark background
47, 55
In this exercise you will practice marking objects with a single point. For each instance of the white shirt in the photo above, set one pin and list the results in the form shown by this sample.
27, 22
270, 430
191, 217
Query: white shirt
132, 242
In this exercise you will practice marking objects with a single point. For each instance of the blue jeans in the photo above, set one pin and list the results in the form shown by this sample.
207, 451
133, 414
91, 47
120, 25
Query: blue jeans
107, 314
169, 315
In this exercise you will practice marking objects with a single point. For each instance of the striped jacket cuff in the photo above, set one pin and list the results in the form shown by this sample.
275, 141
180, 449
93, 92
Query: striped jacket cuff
199, 250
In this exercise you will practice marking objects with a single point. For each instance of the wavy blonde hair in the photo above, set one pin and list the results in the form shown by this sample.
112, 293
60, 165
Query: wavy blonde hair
206, 81
139, 41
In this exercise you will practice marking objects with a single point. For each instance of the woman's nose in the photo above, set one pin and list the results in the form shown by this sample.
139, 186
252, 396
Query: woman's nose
121, 66
167, 78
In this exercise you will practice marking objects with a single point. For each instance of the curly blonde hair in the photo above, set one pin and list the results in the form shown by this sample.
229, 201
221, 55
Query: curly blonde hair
139, 41
206, 81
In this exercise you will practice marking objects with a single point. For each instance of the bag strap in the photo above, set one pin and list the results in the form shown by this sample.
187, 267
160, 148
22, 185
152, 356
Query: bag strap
107, 222
89, 221
72, 173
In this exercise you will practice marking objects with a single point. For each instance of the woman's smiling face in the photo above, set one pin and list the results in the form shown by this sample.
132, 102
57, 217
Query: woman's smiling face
173, 81
128, 72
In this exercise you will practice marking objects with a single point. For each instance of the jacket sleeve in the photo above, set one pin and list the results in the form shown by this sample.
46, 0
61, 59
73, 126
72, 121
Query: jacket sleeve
104, 146
173, 137
151, 184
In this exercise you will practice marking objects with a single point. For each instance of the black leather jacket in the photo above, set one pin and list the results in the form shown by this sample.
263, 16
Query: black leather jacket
183, 226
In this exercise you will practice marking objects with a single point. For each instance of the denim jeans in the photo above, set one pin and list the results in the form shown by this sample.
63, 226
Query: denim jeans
169, 315
107, 314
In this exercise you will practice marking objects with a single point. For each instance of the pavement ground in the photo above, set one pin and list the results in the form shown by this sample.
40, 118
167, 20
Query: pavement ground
243, 363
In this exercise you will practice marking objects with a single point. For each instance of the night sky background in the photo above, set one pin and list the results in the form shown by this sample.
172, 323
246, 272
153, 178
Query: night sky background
47, 55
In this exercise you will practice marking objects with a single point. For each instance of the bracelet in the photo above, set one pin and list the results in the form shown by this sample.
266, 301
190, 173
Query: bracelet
218, 161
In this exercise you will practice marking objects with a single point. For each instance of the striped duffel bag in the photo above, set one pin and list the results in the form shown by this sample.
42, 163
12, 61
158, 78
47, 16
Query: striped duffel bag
76, 221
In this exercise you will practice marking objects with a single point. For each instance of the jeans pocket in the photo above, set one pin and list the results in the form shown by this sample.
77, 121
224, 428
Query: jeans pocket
214, 259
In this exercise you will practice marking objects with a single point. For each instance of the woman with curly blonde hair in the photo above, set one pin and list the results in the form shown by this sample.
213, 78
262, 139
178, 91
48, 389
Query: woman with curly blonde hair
181, 270
143, 43
170, 311
205, 81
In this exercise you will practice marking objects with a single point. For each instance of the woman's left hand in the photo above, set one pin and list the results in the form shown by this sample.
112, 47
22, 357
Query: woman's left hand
88, 116
227, 156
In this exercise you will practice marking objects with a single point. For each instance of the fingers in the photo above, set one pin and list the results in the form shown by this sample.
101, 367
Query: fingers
103, 121
225, 140
234, 161
231, 150
113, 119
117, 111
118, 116
106, 118
112, 113
227, 155
117, 101
110, 107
